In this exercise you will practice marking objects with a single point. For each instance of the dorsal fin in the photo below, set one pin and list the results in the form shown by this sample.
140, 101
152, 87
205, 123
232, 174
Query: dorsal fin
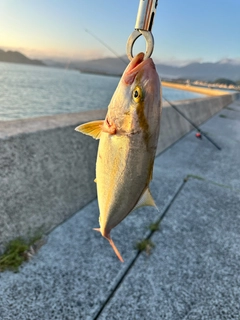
146, 200
93, 128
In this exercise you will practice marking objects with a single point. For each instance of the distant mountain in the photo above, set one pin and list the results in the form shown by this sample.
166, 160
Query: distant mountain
207, 71
210, 71
17, 57
109, 66
230, 61
56, 64
195, 71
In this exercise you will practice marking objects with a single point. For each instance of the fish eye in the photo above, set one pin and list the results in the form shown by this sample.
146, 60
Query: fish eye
137, 94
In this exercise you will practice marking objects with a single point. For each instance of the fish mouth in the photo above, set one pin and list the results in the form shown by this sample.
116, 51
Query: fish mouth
135, 66
136, 61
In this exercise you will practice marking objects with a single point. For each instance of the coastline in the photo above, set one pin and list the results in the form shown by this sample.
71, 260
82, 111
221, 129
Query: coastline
172, 85
186, 87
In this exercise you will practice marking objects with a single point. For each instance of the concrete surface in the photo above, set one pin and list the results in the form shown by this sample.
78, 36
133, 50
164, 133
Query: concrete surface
224, 168
46, 172
47, 169
191, 273
174, 126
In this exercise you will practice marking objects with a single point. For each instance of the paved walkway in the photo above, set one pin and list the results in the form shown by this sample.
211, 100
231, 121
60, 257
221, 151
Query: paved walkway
193, 272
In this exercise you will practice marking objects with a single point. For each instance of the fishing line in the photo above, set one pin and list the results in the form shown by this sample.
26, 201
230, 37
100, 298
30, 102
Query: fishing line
192, 124
107, 46
170, 103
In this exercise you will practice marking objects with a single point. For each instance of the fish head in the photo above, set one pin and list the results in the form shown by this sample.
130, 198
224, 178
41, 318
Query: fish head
136, 103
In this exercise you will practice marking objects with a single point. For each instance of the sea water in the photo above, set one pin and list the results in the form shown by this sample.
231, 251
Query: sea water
31, 91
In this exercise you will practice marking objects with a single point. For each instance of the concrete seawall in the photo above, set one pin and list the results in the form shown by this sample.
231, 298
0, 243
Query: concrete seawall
174, 126
47, 169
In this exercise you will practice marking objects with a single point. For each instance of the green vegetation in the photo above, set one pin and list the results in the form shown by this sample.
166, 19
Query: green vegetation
210, 181
154, 226
17, 251
194, 177
220, 185
222, 116
145, 245
14, 255
225, 81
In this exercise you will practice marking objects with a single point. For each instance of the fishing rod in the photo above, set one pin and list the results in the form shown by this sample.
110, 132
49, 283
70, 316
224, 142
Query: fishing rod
143, 26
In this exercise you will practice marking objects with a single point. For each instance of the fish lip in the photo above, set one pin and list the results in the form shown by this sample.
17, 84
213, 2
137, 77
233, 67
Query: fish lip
135, 62
134, 66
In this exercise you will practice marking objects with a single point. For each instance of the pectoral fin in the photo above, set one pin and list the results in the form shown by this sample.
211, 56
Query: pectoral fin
93, 128
146, 200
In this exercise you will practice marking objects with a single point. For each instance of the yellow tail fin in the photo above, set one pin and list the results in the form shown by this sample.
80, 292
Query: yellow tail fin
112, 245
115, 249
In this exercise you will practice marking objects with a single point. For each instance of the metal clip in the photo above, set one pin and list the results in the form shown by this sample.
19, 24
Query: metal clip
143, 26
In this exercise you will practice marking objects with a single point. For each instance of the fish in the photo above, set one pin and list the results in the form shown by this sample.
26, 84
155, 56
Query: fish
128, 139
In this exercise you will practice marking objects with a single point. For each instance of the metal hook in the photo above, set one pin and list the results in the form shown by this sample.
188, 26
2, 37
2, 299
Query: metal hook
149, 43
143, 26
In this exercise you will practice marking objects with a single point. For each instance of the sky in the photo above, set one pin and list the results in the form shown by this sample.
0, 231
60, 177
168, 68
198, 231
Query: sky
184, 31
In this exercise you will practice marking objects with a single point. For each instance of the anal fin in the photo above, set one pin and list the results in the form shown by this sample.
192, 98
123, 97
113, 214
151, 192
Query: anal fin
146, 200
93, 128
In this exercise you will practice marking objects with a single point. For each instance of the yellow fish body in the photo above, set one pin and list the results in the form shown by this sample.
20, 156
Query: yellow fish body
128, 141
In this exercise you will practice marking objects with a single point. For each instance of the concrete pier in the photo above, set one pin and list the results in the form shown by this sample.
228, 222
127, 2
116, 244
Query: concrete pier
47, 169
192, 272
